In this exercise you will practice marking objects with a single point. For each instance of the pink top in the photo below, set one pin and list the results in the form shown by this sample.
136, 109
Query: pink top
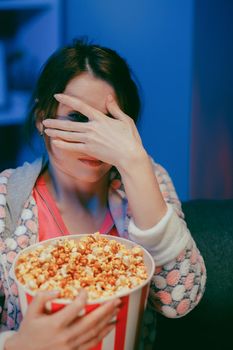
50, 222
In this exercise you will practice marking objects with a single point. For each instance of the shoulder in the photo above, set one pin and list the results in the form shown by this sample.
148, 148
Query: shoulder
27, 170
4, 179
162, 175
158, 168
18, 182
15, 189
167, 187
6, 173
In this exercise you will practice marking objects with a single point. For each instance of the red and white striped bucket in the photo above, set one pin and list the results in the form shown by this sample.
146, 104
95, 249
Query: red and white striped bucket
124, 336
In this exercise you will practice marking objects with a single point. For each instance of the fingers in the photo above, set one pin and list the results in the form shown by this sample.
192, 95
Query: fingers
65, 125
70, 312
92, 113
96, 330
94, 341
72, 147
65, 135
91, 325
37, 305
78, 105
114, 109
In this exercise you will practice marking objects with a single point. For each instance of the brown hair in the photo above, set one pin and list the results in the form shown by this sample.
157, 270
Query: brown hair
69, 62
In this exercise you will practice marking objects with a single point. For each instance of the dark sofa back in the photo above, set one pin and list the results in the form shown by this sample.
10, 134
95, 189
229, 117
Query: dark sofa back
210, 324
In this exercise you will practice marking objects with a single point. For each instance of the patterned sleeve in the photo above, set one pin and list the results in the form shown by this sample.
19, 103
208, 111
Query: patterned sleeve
177, 286
2, 297
3, 190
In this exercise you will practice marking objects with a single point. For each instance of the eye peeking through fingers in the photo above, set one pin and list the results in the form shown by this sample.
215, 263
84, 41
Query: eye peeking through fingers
74, 117
77, 117
81, 118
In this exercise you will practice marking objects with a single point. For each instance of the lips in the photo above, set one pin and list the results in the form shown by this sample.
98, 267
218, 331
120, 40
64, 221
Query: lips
91, 162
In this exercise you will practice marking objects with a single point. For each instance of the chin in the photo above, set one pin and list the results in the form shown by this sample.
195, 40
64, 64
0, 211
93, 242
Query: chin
88, 176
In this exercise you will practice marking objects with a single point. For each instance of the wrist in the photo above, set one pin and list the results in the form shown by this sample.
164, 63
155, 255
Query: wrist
133, 159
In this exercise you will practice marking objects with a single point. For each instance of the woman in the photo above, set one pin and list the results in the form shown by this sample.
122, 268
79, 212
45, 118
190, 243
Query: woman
98, 177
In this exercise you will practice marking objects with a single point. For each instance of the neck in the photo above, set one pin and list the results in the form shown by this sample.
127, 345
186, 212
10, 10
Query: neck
74, 192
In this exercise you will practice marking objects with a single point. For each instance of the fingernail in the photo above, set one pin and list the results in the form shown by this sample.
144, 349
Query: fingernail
57, 96
82, 312
53, 292
82, 294
117, 302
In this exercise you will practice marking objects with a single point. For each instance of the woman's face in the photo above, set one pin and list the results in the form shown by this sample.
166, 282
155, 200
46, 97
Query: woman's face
81, 166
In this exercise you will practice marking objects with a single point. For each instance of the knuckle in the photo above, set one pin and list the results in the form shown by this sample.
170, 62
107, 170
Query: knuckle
39, 296
129, 121
70, 137
95, 341
90, 344
78, 304
87, 137
76, 104
56, 322
89, 126
96, 123
93, 332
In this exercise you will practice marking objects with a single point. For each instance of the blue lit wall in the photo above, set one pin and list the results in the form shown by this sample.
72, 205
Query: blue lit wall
181, 52
29, 32
156, 39
212, 106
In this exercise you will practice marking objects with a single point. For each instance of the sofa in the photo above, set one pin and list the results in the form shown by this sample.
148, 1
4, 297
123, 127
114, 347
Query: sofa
210, 324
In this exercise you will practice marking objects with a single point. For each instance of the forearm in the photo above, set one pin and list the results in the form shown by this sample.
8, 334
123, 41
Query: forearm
179, 280
145, 200
178, 286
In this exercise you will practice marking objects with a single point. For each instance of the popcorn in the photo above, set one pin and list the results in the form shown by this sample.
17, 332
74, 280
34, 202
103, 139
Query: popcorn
103, 267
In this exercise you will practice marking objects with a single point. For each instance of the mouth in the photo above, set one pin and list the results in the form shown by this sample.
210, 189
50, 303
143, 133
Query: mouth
91, 162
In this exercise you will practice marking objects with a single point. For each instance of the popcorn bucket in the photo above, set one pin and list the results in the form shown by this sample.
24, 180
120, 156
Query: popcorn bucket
124, 335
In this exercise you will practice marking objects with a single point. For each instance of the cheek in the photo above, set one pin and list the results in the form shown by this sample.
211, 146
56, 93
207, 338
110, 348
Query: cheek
60, 154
